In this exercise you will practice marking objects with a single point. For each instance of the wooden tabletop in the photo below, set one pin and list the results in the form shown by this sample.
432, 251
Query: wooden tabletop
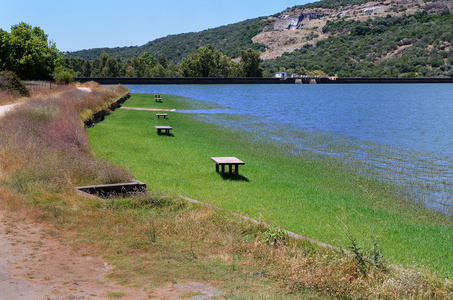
227, 161
163, 127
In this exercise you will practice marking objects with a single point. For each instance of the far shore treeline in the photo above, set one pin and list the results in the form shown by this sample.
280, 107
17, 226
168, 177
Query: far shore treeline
205, 62
27, 52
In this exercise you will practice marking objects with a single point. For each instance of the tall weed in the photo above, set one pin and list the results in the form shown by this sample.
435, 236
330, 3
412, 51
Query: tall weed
44, 143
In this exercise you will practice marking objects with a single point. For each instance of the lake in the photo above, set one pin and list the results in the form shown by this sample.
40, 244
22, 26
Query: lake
396, 132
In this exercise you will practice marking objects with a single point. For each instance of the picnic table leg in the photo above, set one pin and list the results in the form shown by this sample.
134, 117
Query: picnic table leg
230, 168
236, 169
217, 168
223, 169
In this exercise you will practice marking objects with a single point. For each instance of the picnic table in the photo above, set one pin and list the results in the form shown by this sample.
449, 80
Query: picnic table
163, 128
227, 161
158, 98
161, 115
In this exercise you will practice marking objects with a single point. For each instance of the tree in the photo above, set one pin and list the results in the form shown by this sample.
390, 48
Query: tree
4, 49
250, 63
30, 54
206, 62
301, 71
208, 59
96, 68
162, 60
158, 71
110, 67
86, 69
64, 75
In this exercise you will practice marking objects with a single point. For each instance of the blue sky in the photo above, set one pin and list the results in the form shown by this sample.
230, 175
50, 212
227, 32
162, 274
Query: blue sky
85, 24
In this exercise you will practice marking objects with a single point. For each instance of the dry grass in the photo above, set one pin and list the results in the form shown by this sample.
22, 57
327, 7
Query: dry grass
152, 239
6, 98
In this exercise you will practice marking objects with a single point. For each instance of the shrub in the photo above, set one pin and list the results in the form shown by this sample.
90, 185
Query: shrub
274, 236
64, 76
11, 83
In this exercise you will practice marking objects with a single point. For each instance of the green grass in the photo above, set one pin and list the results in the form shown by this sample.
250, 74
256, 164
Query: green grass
168, 101
315, 197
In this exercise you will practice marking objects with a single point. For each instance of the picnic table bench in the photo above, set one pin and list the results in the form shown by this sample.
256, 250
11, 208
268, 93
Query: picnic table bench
163, 128
161, 115
227, 161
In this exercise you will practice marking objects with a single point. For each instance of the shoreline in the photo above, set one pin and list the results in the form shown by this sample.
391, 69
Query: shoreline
257, 80
272, 185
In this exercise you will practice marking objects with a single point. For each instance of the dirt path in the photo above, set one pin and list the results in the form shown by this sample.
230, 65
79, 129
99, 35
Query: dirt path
5, 108
34, 264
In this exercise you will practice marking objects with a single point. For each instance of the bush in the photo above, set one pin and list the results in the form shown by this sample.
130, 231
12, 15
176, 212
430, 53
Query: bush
11, 83
64, 76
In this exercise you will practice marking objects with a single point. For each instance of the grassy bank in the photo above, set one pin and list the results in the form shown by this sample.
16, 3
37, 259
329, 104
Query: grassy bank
316, 198
157, 239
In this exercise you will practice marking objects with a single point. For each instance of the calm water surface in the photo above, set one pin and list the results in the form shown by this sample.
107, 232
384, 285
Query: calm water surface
400, 132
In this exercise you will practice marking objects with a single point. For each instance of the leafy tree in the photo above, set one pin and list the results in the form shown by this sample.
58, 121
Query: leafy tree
86, 69
96, 68
64, 75
206, 62
5, 49
172, 70
250, 63
130, 71
149, 60
28, 53
158, 71
162, 60
301, 71
208, 58
110, 67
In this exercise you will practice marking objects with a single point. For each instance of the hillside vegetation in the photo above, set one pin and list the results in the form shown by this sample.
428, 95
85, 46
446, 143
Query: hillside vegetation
350, 38
229, 40
406, 46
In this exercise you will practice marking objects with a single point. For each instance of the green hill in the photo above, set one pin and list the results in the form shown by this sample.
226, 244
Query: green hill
406, 46
229, 40
350, 38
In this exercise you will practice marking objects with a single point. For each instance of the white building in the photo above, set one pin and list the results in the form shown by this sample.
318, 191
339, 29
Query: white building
281, 75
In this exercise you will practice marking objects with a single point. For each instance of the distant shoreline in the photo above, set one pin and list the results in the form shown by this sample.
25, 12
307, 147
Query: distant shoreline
255, 80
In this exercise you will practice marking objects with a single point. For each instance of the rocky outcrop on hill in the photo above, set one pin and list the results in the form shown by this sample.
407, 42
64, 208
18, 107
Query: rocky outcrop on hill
293, 29
292, 21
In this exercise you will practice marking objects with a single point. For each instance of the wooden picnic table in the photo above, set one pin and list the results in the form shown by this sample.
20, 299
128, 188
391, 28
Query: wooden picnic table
163, 128
227, 161
158, 98
161, 115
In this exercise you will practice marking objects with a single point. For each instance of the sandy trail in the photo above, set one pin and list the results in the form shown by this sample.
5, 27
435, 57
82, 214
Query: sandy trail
6, 108
34, 264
